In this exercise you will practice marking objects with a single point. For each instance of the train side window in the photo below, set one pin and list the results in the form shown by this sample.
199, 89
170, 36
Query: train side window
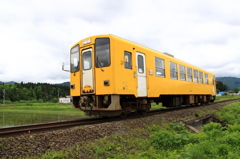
206, 78
173, 70
182, 73
140, 64
159, 64
200, 77
127, 60
189, 72
195, 76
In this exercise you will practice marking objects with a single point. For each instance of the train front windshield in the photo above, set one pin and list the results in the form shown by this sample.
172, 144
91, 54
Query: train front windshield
74, 59
102, 52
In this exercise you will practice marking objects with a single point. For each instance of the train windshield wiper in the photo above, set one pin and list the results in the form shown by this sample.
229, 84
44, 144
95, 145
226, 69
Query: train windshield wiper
99, 64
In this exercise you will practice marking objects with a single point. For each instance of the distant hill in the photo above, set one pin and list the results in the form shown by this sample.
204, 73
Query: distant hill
230, 82
64, 83
11, 82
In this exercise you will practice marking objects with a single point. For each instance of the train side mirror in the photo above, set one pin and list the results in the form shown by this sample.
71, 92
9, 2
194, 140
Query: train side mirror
63, 68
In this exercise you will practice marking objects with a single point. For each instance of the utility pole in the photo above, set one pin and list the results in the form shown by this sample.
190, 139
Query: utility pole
4, 97
58, 95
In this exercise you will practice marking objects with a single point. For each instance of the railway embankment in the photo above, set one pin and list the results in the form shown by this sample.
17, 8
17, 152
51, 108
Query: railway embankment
30, 145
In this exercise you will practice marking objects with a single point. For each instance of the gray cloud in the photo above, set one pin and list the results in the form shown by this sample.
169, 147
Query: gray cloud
36, 35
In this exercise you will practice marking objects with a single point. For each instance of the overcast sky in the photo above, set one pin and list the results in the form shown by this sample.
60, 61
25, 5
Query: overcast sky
36, 36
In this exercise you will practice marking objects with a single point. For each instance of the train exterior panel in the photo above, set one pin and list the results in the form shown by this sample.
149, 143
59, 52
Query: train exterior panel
112, 76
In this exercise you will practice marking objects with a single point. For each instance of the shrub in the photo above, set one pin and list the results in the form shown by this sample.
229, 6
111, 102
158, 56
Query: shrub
6, 102
206, 149
40, 100
223, 149
29, 104
153, 128
213, 130
233, 128
197, 137
232, 139
196, 114
54, 100
211, 126
178, 127
230, 113
167, 140
162, 139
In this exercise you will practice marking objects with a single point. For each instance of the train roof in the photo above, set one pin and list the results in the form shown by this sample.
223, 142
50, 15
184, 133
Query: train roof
165, 55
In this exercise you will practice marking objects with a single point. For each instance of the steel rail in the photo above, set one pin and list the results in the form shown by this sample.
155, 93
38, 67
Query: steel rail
155, 111
26, 129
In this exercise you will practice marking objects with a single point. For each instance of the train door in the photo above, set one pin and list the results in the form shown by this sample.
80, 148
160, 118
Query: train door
87, 71
141, 71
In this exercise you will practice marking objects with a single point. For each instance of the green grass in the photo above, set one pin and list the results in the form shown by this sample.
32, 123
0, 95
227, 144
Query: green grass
38, 113
39, 108
165, 141
218, 98
158, 144
34, 104
226, 97
230, 113
156, 106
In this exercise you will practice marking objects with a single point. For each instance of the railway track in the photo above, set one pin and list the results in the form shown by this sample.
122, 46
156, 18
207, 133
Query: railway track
29, 129
156, 111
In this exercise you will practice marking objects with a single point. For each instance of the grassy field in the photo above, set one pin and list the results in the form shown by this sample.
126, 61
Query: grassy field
227, 97
21, 114
31, 113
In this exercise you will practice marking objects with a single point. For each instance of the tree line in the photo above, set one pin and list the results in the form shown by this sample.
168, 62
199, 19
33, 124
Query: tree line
45, 92
42, 92
223, 87
231, 82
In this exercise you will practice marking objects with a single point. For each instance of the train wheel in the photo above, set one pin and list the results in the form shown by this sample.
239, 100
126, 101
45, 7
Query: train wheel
142, 112
123, 115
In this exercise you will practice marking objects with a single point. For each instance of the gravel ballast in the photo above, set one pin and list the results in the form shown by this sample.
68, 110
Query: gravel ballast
31, 144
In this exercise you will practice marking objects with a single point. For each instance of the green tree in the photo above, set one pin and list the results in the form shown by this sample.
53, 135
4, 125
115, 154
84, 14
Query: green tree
55, 100
33, 91
221, 86
236, 90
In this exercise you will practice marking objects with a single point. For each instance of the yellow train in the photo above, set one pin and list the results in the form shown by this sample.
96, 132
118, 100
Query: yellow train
111, 76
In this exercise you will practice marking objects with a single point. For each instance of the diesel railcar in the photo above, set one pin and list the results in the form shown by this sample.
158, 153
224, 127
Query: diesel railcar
111, 76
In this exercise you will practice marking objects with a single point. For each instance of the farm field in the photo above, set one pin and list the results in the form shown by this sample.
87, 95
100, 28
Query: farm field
226, 97
21, 114
16, 114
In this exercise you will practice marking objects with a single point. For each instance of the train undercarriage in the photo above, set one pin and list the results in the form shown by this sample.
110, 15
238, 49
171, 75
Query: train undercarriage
122, 105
